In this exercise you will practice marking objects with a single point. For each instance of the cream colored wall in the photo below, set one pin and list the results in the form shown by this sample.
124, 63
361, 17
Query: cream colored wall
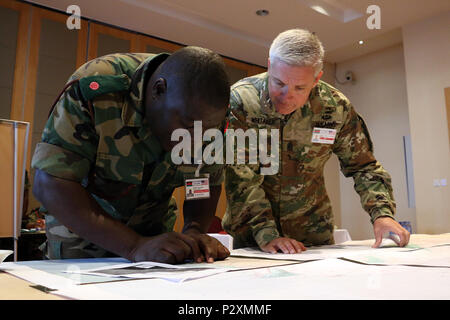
55, 65
8, 39
331, 171
427, 53
379, 96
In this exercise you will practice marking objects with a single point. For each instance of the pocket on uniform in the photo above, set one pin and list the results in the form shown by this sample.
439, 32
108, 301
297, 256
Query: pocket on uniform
306, 157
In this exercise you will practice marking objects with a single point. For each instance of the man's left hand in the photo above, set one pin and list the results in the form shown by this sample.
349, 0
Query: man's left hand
384, 225
211, 248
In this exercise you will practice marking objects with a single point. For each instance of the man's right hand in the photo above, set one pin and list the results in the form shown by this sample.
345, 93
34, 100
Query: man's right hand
171, 247
285, 245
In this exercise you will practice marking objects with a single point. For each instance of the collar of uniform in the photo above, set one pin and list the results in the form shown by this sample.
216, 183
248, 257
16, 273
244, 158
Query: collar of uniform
133, 109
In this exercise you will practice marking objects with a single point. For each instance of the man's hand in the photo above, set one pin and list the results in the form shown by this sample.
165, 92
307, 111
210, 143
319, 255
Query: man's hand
211, 249
171, 247
198, 215
385, 224
286, 245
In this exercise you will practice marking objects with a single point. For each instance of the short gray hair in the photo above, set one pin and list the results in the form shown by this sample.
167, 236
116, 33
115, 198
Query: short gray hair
298, 47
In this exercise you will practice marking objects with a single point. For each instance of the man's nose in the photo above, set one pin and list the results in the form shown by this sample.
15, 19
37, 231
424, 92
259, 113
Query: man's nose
287, 93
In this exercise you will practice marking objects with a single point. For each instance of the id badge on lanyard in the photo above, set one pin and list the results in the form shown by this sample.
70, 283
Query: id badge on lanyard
197, 188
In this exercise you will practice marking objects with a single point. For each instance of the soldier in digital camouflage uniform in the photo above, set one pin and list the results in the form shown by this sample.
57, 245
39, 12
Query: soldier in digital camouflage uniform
104, 168
290, 209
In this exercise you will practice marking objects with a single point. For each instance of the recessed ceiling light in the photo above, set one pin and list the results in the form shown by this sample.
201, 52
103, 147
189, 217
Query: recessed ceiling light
361, 42
262, 12
333, 9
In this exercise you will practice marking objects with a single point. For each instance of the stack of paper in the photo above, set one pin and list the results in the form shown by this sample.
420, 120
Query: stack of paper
422, 251
4, 254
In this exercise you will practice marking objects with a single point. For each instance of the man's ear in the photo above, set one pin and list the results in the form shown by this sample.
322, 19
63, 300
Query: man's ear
318, 78
159, 87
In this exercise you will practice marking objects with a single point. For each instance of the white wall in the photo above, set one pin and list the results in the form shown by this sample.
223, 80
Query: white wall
427, 61
331, 170
379, 96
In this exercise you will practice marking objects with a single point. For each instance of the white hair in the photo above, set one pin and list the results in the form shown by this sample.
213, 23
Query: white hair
298, 47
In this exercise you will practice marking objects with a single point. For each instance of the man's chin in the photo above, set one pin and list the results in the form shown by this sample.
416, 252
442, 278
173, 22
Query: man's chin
285, 109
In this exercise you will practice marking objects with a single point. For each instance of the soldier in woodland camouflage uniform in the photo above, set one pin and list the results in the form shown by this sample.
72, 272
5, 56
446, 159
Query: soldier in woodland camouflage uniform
104, 168
289, 210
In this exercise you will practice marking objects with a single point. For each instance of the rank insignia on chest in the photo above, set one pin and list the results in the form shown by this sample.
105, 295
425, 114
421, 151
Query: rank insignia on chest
325, 124
263, 121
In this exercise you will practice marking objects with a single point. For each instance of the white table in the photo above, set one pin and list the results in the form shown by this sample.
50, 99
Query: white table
332, 278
